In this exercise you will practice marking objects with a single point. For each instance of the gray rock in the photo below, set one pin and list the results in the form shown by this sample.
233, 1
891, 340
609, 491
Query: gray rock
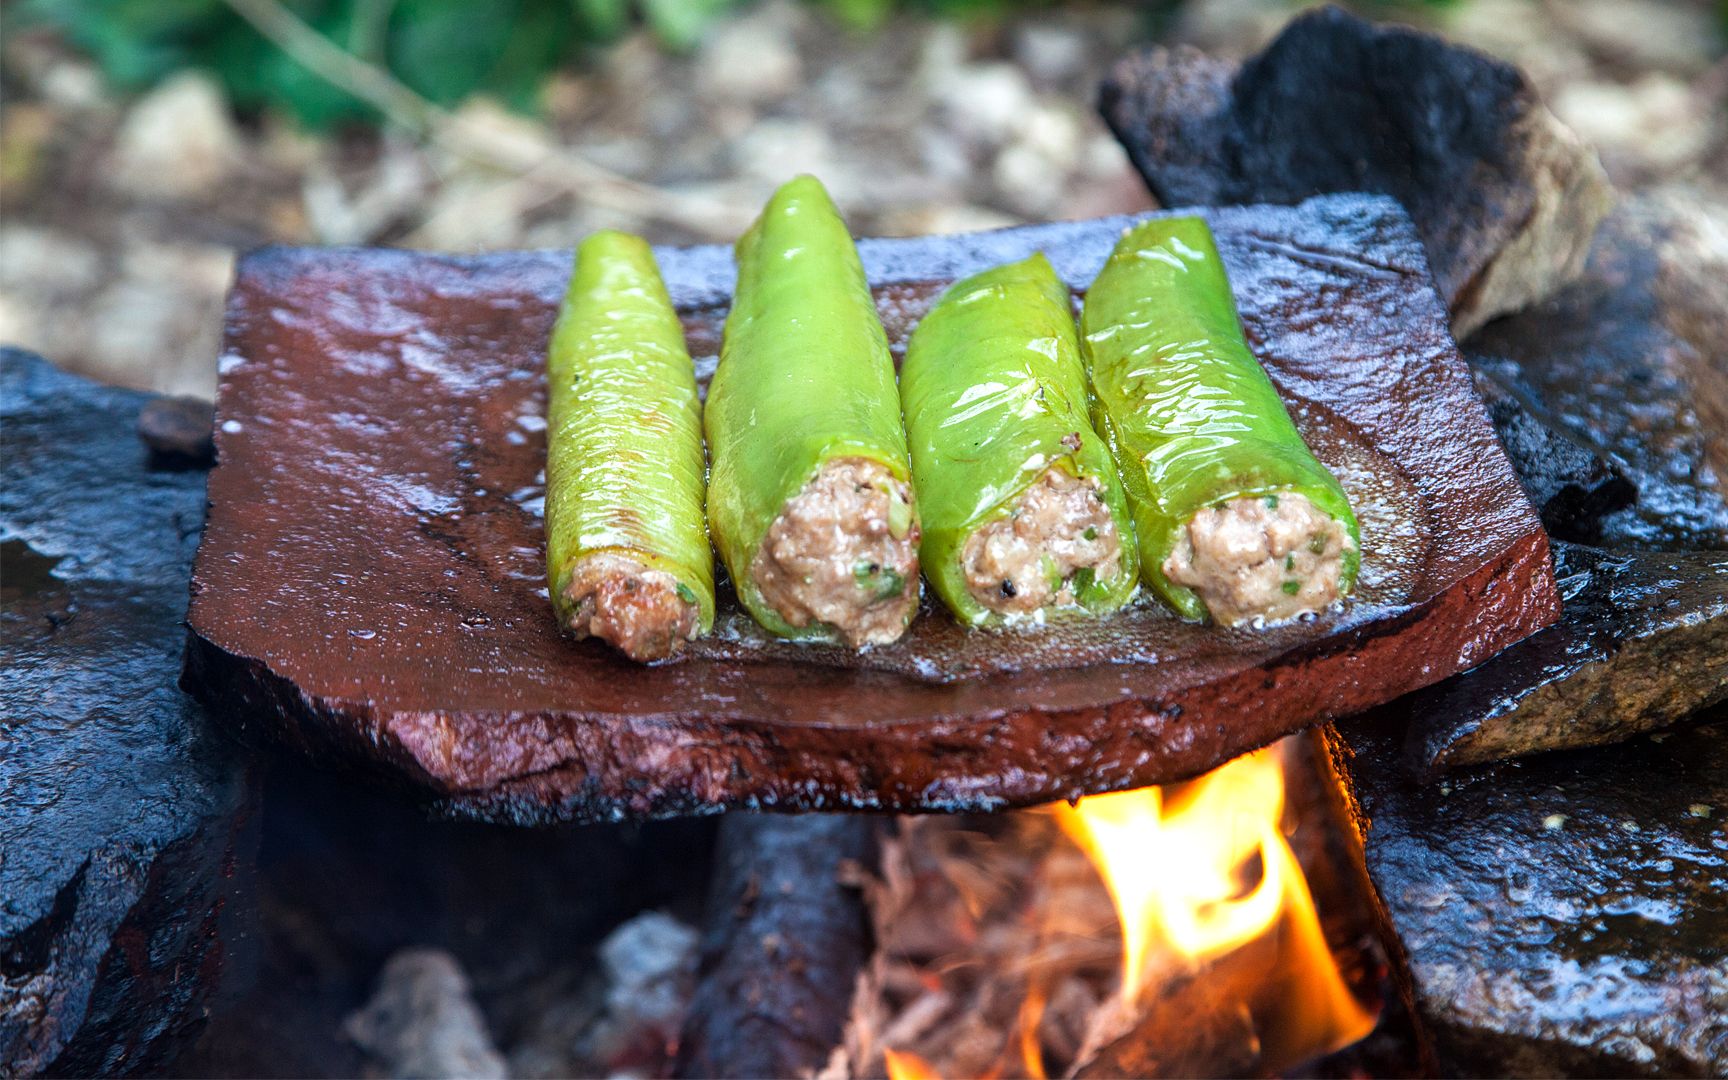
1505, 196
178, 141
422, 1023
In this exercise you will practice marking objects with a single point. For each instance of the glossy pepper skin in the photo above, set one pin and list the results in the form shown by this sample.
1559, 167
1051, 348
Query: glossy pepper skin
1189, 413
805, 377
994, 392
624, 462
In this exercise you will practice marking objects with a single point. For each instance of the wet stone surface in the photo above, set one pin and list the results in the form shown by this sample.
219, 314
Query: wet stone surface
1572, 487
1563, 915
1628, 362
401, 394
124, 839
1642, 643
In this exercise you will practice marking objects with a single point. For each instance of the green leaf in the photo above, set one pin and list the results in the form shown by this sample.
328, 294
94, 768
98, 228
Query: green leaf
680, 24
860, 14
444, 49
601, 21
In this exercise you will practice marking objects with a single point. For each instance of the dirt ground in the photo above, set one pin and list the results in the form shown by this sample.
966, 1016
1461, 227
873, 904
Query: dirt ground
121, 217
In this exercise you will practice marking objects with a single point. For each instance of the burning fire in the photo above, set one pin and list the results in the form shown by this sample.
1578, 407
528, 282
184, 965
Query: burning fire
905, 1065
1213, 906
1180, 865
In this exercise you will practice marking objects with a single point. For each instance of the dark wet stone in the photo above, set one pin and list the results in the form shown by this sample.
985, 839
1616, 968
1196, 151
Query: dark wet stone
784, 939
1571, 487
178, 431
1628, 361
1562, 915
381, 450
1504, 196
1643, 642
123, 830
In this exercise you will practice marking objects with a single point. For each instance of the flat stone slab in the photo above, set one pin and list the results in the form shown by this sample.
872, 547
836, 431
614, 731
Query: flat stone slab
1566, 915
1643, 643
123, 836
370, 589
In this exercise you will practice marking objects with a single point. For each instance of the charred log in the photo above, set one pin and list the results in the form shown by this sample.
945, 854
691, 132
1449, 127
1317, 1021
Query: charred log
786, 936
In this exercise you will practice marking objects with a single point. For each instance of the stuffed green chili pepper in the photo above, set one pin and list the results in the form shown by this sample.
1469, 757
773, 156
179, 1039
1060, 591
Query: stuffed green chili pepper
1022, 510
810, 499
627, 551
1236, 518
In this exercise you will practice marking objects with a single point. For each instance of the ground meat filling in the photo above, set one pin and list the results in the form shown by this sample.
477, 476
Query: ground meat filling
638, 610
1027, 561
1263, 558
844, 553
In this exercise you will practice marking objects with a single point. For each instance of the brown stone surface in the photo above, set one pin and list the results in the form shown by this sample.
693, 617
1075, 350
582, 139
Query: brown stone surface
1505, 196
370, 587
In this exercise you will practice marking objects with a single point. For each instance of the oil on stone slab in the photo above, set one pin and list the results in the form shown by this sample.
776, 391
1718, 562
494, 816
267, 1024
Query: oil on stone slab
371, 585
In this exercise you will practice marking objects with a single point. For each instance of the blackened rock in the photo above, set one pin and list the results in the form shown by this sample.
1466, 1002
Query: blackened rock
1505, 196
1628, 360
125, 817
1570, 486
1565, 915
1643, 642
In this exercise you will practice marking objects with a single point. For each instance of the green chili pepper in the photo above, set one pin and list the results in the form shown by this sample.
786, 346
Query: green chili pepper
805, 382
1191, 416
624, 458
994, 391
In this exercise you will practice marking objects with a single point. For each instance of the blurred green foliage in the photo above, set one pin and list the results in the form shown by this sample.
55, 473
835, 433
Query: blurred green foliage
444, 49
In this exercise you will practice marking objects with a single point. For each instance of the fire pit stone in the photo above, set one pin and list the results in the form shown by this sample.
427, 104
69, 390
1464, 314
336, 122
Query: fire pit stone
1561, 915
124, 831
1505, 196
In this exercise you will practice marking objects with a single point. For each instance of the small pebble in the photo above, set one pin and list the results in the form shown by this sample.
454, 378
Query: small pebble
177, 430
1553, 821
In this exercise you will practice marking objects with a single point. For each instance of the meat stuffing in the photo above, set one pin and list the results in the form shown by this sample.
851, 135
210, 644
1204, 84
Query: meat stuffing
844, 553
644, 613
1022, 563
1261, 558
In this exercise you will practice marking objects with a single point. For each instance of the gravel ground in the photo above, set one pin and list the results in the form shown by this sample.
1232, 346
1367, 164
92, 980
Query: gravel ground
122, 217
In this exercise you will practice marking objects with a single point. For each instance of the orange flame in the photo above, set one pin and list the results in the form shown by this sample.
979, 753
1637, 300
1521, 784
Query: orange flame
1031, 1051
1175, 862
905, 1065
